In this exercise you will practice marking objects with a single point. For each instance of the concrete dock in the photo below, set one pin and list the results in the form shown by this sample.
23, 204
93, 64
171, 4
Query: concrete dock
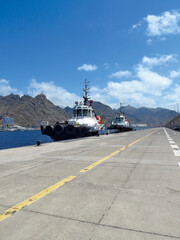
119, 186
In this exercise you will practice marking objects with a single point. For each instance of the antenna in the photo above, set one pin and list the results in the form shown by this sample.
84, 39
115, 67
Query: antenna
177, 107
121, 104
86, 89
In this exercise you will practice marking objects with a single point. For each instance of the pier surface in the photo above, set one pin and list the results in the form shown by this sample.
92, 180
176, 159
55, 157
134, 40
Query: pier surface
118, 186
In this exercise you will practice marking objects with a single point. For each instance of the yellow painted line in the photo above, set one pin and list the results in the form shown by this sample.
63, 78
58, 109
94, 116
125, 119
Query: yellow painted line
101, 160
34, 198
141, 139
114, 153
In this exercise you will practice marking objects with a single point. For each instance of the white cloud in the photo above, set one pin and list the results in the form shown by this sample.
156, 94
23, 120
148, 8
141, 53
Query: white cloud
174, 74
137, 24
163, 39
158, 60
160, 26
149, 41
87, 67
147, 90
129, 92
58, 95
172, 97
106, 65
165, 24
152, 81
121, 74
5, 88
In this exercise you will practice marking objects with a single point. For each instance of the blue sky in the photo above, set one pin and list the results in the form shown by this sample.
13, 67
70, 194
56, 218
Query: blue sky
129, 50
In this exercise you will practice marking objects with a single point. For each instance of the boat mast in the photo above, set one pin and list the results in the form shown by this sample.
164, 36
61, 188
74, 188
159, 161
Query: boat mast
120, 109
86, 89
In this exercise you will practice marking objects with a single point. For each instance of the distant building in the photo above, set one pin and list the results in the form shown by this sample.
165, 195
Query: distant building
139, 125
44, 123
7, 121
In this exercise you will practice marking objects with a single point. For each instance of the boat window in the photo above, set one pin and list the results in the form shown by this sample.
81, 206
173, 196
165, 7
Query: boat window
85, 112
74, 113
121, 119
79, 112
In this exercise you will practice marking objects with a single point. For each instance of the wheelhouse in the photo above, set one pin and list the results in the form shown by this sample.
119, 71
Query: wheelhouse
120, 119
82, 111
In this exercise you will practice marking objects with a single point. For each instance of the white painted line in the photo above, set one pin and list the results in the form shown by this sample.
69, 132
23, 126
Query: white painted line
176, 153
175, 146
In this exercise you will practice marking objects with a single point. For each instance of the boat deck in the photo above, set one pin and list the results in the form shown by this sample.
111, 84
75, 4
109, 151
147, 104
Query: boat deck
116, 186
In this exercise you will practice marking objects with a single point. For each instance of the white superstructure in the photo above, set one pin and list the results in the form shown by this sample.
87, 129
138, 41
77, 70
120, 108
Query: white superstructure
121, 121
84, 114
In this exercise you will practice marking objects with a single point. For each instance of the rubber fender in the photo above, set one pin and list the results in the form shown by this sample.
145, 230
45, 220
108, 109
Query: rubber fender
70, 130
49, 130
58, 129
42, 130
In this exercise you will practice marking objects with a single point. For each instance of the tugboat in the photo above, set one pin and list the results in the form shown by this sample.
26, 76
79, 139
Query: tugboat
121, 124
83, 123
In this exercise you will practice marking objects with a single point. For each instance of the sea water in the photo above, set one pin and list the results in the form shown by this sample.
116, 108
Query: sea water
12, 139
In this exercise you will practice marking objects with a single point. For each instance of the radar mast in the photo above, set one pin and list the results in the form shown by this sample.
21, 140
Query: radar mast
86, 89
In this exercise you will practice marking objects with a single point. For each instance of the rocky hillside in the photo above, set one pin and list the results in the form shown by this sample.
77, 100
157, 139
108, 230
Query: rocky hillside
150, 116
29, 111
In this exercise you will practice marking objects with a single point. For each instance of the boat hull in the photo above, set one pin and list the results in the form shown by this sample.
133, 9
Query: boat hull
121, 128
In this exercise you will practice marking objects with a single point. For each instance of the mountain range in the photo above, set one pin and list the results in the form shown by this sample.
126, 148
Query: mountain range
29, 111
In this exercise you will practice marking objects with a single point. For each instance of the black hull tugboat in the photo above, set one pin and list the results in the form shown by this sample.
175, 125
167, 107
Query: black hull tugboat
83, 123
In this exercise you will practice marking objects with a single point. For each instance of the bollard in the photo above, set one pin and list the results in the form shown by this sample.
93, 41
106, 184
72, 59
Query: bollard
38, 142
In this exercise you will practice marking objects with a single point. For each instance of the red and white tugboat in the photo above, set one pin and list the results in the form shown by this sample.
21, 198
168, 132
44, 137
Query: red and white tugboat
84, 122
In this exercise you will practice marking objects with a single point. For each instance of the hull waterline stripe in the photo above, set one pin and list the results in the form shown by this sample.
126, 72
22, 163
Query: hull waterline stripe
114, 153
34, 198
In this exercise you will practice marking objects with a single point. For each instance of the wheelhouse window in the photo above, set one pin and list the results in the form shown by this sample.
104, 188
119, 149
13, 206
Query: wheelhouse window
121, 119
85, 112
79, 113
74, 113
